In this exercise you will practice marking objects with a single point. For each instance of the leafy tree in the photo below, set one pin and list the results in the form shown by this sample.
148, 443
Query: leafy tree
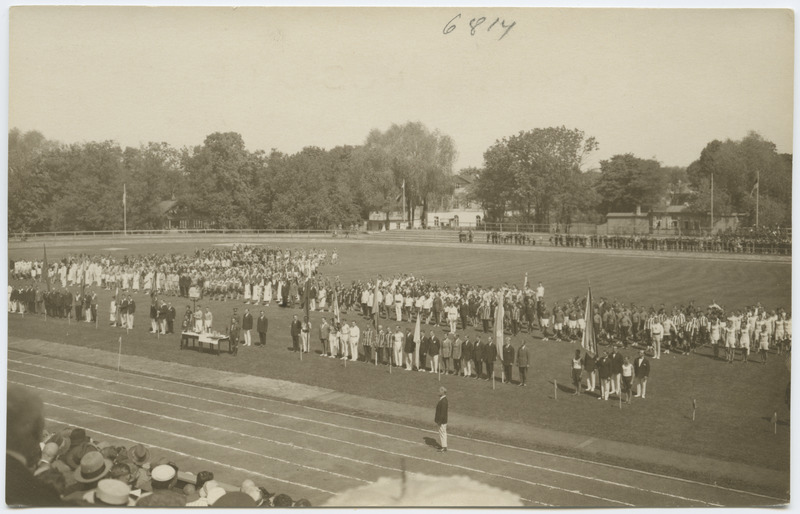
627, 181
533, 169
30, 190
421, 159
220, 175
735, 166
152, 173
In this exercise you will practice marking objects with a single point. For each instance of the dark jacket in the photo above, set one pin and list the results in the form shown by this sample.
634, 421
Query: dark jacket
616, 363
508, 355
641, 370
23, 489
441, 411
522, 357
263, 324
297, 327
247, 322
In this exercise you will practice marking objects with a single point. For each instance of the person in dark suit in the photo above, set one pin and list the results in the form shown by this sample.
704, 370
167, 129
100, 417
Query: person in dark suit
604, 372
441, 419
616, 372
641, 370
247, 327
24, 425
424, 345
489, 356
170, 318
262, 325
234, 331
478, 356
508, 361
296, 329
522, 363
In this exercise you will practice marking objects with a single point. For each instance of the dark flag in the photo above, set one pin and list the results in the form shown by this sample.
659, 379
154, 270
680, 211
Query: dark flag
46, 268
589, 341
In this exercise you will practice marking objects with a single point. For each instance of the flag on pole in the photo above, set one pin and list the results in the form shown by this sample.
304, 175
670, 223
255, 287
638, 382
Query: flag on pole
589, 340
375, 306
307, 294
46, 268
755, 188
403, 187
498, 324
417, 339
336, 305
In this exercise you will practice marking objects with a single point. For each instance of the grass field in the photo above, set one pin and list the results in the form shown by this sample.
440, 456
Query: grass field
735, 402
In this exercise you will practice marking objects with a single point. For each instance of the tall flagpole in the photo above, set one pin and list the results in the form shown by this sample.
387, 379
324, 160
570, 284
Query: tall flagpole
758, 191
404, 200
124, 210
712, 202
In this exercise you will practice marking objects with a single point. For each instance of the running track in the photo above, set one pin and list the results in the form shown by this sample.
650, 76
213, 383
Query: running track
315, 453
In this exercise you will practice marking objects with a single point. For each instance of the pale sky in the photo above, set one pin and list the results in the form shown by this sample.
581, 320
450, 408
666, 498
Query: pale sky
657, 83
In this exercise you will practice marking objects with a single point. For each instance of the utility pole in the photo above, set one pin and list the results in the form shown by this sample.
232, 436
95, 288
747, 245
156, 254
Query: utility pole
758, 191
712, 202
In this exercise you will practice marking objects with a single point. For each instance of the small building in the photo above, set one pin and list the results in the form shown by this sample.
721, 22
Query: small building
175, 215
666, 220
378, 221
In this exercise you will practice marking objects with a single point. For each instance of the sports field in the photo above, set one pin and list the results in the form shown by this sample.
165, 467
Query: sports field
735, 402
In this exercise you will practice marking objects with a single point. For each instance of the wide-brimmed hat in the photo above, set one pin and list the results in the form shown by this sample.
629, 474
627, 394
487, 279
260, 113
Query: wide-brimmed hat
78, 436
162, 473
76, 452
92, 467
112, 492
234, 499
139, 454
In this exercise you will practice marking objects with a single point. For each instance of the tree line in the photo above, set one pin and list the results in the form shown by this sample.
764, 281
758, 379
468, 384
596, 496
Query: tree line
536, 176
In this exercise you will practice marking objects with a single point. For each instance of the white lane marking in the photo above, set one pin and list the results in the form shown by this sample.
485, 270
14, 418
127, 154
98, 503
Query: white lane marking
183, 454
361, 418
194, 439
547, 486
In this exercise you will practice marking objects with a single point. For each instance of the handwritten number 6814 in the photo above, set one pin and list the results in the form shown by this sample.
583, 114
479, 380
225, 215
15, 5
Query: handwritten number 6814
474, 23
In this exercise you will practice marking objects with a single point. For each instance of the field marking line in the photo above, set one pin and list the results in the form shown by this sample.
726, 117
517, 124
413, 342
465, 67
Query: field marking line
194, 439
337, 440
483, 441
178, 452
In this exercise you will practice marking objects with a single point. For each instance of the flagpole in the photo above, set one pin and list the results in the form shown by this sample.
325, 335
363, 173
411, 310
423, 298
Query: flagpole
124, 210
758, 191
404, 201
712, 202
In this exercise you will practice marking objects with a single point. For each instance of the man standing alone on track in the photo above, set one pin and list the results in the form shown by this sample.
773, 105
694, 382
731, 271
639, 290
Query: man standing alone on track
441, 419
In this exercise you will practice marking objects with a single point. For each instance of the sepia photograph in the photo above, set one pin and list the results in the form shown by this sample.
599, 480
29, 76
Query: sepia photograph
416, 257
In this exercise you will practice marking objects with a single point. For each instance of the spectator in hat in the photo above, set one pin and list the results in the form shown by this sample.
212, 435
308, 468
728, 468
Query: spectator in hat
111, 493
162, 480
235, 499
215, 494
79, 445
302, 503
282, 501
203, 491
24, 425
93, 468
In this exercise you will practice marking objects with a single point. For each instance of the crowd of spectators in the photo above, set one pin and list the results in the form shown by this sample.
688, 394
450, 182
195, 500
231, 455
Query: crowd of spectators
751, 240
68, 467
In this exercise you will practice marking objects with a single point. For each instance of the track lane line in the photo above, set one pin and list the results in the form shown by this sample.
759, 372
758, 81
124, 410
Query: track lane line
246, 395
458, 466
